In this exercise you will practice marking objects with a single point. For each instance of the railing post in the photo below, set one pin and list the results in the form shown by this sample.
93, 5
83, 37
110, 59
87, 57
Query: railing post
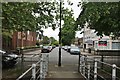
95, 70
84, 65
80, 69
113, 72
88, 72
79, 63
47, 63
33, 71
43, 66
102, 57
41, 69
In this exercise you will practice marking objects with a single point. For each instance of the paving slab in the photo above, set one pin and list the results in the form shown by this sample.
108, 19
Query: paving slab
65, 72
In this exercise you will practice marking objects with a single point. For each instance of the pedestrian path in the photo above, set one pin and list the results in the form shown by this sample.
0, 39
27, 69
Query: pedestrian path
64, 72
67, 71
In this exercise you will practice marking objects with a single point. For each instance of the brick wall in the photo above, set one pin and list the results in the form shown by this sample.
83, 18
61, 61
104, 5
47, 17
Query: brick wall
26, 39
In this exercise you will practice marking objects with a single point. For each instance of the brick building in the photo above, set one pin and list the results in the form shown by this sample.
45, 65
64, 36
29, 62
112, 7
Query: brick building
23, 39
20, 39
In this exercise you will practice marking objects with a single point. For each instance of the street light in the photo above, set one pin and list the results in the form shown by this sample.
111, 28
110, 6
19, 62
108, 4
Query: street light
59, 61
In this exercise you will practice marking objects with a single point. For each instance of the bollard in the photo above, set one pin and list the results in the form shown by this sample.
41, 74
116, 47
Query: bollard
113, 72
95, 70
33, 71
88, 72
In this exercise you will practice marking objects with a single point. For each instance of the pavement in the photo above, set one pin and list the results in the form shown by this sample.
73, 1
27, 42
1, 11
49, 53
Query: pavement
67, 71
64, 72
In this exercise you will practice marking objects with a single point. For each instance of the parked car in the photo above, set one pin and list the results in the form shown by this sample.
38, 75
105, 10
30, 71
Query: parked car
50, 48
8, 58
75, 50
65, 48
68, 49
45, 49
53, 46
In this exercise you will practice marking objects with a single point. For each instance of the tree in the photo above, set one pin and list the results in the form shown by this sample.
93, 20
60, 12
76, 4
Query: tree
45, 40
28, 16
101, 16
68, 30
55, 43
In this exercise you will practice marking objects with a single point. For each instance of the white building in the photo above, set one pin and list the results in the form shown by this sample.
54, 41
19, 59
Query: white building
89, 37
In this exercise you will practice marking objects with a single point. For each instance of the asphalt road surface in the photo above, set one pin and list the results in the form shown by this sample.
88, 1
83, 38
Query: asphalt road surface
66, 58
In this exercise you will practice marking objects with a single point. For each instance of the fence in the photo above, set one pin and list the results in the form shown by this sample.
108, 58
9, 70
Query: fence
93, 69
37, 70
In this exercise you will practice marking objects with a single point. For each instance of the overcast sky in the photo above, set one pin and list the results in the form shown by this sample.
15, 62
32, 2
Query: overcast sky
50, 33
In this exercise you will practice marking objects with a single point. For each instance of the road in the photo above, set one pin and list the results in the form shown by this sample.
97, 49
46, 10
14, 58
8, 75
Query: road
66, 58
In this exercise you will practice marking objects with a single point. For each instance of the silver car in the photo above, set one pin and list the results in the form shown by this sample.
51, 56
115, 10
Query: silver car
75, 50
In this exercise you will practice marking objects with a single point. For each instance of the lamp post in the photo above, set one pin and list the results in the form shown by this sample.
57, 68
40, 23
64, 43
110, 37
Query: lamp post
59, 61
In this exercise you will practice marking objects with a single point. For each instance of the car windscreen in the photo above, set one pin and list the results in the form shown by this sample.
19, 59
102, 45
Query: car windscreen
45, 47
75, 48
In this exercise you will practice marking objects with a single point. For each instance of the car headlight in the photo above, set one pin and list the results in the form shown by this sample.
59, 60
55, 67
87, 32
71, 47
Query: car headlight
8, 58
13, 55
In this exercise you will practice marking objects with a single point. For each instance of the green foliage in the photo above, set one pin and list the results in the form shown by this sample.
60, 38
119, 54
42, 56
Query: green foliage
101, 16
17, 16
52, 40
55, 43
28, 16
45, 40
49, 41
68, 30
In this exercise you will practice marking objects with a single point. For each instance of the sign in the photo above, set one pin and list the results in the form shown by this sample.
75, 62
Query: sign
102, 43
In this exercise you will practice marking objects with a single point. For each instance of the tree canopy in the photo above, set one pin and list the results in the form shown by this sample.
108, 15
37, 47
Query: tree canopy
68, 29
101, 16
18, 16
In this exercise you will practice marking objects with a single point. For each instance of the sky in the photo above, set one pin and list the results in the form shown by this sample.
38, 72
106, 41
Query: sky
50, 33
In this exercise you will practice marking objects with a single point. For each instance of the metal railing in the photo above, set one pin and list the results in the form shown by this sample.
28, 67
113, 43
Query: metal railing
93, 69
39, 70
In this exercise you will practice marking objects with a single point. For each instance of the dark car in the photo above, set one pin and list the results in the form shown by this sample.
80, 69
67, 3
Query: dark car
8, 58
45, 49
